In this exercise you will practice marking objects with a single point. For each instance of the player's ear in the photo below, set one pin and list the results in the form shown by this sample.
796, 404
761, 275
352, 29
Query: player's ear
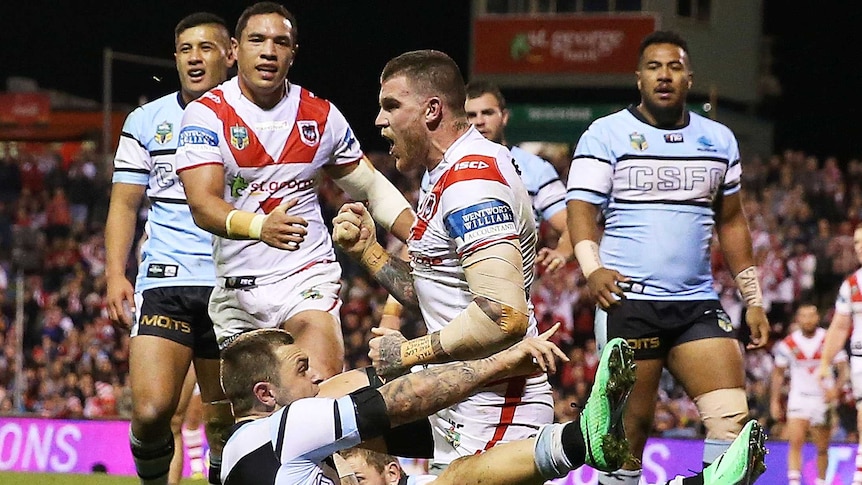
434, 110
263, 393
392, 473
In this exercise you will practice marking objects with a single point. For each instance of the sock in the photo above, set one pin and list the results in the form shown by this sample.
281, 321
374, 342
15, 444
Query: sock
712, 449
152, 460
549, 455
214, 476
820, 481
680, 480
194, 442
794, 477
573, 443
620, 477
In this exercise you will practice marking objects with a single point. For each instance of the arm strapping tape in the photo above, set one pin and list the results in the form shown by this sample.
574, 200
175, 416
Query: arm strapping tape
243, 224
385, 202
587, 252
749, 287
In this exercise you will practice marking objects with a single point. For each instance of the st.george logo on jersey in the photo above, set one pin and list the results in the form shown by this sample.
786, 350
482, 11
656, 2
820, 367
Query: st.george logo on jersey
308, 132
239, 137
164, 132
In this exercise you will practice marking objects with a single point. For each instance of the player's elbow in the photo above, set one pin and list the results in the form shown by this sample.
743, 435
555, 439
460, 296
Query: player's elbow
512, 322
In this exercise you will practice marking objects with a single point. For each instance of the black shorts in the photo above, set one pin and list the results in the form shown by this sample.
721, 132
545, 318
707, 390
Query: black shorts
179, 314
652, 327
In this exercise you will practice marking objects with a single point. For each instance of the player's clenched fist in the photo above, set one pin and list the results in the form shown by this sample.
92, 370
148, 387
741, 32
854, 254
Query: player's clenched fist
353, 229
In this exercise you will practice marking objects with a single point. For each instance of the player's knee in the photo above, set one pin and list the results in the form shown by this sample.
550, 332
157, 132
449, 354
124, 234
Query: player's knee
151, 415
723, 412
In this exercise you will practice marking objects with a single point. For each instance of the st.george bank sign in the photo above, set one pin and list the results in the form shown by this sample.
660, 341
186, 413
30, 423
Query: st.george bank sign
558, 44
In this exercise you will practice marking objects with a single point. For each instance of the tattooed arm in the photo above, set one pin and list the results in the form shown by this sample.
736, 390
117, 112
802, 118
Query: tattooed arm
354, 232
419, 394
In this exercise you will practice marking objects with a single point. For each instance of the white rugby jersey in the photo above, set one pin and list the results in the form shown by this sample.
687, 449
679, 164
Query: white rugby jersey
656, 188
473, 198
849, 302
177, 252
269, 157
292, 445
801, 355
547, 192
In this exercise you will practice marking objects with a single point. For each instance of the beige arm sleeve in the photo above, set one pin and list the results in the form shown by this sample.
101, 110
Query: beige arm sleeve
385, 202
497, 317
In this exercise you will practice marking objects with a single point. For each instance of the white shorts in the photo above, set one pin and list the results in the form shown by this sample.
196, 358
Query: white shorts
810, 408
511, 410
234, 311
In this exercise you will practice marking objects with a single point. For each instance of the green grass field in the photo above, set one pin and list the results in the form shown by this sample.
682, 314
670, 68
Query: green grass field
10, 478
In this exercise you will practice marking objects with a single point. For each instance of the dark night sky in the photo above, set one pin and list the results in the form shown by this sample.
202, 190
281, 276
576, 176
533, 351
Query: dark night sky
345, 43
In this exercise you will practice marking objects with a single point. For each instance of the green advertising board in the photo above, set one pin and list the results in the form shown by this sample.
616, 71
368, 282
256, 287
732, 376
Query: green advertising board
559, 123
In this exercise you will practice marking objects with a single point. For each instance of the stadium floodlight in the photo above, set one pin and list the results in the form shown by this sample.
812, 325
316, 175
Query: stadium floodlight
108, 57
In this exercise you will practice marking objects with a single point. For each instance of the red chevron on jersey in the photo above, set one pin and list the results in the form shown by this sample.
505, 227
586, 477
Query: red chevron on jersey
269, 204
472, 167
855, 293
244, 144
304, 139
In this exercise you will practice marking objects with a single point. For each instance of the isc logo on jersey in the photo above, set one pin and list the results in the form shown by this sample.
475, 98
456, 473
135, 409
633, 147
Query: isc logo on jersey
480, 221
477, 164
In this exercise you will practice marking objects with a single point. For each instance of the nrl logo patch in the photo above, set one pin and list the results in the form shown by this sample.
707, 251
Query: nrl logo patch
164, 132
311, 294
308, 132
638, 141
724, 321
238, 137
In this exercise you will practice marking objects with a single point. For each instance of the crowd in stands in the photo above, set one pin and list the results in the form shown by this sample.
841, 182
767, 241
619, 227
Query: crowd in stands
802, 212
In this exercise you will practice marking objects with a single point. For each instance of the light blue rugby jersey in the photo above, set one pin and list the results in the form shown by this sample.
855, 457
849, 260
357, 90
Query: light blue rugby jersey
292, 444
656, 188
177, 252
547, 192
542, 182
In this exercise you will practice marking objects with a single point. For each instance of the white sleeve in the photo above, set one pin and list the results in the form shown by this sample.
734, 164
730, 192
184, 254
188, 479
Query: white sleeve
315, 428
782, 355
591, 170
132, 162
346, 147
477, 204
843, 301
200, 137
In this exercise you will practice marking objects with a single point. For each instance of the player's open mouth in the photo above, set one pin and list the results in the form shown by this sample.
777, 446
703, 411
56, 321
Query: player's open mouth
390, 140
196, 74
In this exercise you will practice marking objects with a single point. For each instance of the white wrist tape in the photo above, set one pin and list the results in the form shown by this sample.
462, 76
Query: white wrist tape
587, 252
749, 287
385, 202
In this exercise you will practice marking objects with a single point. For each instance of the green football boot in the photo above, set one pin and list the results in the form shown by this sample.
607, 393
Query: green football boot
742, 462
602, 417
